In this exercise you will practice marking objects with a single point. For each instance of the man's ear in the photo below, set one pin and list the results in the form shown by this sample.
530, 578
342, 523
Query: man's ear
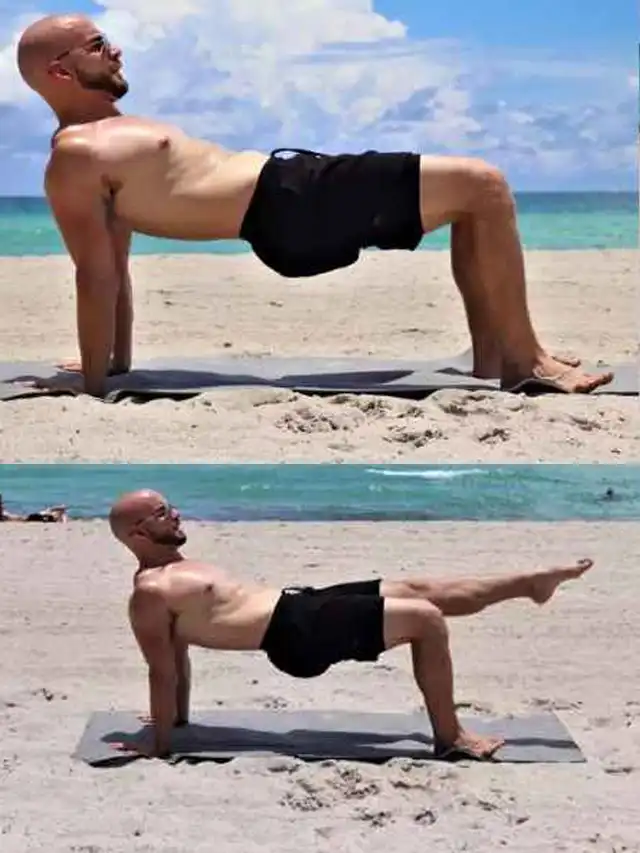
56, 69
139, 535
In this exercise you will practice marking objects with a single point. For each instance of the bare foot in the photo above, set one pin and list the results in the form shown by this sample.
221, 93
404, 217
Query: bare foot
544, 584
554, 374
492, 367
570, 360
470, 745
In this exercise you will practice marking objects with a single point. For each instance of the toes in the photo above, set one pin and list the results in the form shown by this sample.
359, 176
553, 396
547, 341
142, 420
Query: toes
490, 751
568, 381
582, 384
590, 383
569, 360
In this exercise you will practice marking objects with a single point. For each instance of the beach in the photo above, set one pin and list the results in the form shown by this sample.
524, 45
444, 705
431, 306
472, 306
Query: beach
67, 652
389, 305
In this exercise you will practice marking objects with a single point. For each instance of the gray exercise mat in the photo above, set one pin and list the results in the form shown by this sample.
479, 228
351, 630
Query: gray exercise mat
221, 735
181, 378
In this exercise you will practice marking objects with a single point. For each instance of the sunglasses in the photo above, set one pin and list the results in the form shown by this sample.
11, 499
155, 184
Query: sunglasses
98, 44
161, 514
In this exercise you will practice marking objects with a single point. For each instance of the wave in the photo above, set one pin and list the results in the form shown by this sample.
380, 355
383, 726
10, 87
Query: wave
435, 474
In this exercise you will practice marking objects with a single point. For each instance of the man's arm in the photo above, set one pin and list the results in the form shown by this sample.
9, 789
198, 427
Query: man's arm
183, 688
151, 621
123, 340
75, 192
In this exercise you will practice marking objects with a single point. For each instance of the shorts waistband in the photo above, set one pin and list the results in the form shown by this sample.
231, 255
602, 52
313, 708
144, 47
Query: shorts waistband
277, 151
296, 590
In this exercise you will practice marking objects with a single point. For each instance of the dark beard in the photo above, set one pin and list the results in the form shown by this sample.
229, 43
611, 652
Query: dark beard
117, 88
174, 539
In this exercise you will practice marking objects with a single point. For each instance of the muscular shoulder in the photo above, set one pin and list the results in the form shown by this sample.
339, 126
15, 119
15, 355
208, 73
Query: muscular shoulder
74, 143
149, 587
75, 154
156, 587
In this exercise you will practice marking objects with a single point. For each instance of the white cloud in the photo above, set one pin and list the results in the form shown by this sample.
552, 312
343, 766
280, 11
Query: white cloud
336, 75
12, 90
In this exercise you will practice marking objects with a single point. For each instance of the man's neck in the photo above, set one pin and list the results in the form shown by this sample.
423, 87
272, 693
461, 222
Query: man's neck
160, 557
86, 113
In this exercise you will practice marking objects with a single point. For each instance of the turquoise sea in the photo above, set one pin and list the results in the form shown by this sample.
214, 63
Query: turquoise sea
559, 221
338, 492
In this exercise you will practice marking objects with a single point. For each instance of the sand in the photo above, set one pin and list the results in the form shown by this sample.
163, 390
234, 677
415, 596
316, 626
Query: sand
389, 304
67, 651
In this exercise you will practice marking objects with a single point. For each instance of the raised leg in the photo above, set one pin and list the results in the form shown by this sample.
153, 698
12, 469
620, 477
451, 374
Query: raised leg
420, 624
466, 596
488, 267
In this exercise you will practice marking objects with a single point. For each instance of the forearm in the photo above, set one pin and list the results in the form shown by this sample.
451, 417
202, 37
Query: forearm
96, 317
123, 340
163, 709
183, 696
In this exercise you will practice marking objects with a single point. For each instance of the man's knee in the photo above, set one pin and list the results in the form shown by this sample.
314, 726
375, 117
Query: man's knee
453, 187
488, 183
409, 619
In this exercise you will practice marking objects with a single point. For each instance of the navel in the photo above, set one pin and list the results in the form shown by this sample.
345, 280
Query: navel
164, 143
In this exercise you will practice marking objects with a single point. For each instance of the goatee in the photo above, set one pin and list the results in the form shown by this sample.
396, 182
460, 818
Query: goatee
174, 539
117, 87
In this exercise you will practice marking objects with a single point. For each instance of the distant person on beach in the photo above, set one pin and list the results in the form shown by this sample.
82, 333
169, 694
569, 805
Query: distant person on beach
177, 602
110, 175
49, 515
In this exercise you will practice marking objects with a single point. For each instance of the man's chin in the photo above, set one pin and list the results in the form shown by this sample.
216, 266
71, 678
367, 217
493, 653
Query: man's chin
120, 92
116, 88
171, 540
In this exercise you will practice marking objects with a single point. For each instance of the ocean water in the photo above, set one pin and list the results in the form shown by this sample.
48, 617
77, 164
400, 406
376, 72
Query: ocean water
338, 492
556, 221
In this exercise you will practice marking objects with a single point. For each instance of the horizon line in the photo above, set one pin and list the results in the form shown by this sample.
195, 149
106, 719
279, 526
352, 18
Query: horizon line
572, 191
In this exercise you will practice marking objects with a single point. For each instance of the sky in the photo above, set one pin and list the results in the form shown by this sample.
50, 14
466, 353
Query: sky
546, 90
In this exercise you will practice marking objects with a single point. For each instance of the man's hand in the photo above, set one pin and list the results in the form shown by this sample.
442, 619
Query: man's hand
72, 384
144, 750
147, 748
147, 719
74, 365
118, 370
71, 365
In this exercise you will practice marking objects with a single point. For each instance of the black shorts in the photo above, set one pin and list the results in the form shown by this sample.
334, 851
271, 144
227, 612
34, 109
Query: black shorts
312, 629
313, 213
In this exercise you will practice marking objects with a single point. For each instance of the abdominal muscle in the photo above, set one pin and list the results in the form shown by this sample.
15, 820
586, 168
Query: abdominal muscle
185, 189
237, 622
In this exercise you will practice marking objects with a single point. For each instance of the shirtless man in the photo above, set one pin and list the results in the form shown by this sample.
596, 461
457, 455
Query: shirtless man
178, 602
110, 175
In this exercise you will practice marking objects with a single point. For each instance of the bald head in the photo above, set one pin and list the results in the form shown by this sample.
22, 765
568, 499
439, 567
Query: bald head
45, 40
132, 508
68, 49
144, 519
